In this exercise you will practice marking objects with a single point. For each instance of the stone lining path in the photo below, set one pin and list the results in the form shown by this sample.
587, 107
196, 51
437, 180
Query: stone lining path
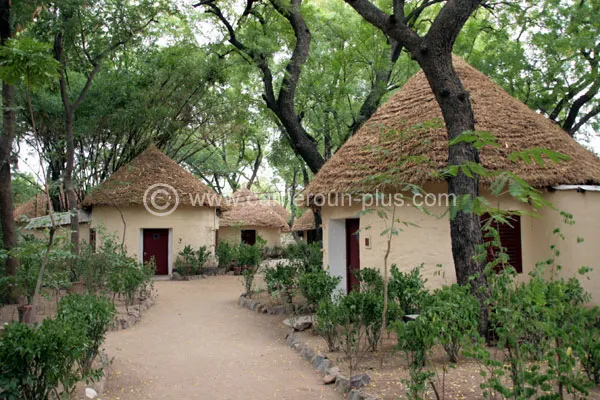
197, 343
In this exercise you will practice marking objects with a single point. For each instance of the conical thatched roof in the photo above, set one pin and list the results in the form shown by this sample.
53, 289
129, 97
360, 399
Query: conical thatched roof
306, 222
35, 207
410, 124
246, 209
281, 211
128, 185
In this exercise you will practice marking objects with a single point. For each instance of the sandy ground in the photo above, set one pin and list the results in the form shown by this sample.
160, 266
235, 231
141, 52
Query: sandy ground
197, 343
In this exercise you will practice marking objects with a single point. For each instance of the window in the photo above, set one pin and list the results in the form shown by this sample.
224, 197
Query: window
510, 238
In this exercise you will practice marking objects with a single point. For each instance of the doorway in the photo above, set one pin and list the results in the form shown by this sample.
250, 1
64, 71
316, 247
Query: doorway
352, 254
249, 236
156, 244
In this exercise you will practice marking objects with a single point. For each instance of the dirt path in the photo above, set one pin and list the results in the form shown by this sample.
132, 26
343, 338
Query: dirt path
197, 343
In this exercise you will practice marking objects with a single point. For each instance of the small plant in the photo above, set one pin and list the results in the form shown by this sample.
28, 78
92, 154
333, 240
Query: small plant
407, 289
248, 256
248, 276
95, 314
455, 312
327, 323
416, 340
308, 257
191, 262
317, 286
588, 344
226, 255
281, 281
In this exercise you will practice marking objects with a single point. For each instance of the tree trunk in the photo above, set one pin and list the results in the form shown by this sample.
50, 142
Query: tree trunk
69, 188
465, 228
7, 220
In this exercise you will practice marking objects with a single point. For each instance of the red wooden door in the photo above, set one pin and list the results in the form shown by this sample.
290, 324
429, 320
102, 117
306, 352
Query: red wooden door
352, 254
249, 236
156, 244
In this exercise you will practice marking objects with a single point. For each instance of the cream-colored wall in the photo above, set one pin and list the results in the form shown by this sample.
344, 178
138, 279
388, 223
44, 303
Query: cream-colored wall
194, 226
429, 241
84, 232
233, 234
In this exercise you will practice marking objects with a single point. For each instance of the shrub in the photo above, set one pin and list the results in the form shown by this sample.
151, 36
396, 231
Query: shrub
416, 340
95, 314
455, 313
282, 281
538, 325
317, 286
370, 280
588, 346
38, 362
129, 277
308, 257
226, 255
327, 323
190, 261
248, 256
407, 289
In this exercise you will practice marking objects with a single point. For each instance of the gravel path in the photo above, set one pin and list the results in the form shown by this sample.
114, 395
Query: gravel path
197, 343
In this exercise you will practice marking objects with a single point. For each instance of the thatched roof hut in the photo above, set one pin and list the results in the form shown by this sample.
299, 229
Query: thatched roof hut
128, 185
247, 209
406, 140
35, 207
279, 209
306, 222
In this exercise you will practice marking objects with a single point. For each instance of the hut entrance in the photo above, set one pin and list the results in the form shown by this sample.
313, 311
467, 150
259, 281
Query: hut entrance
352, 254
249, 236
156, 244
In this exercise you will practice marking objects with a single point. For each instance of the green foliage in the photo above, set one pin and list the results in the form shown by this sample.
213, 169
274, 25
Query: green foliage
317, 286
416, 340
128, 278
308, 257
587, 346
190, 261
226, 254
454, 311
538, 325
95, 314
28, 60
47, 361
370, 280
407, 289
327, 323
282, 281
248, 256
248, 279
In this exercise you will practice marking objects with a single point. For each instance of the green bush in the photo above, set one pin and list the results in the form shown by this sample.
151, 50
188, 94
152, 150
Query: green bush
308, 257
191, 262
327, 323
407, 289
588, 344
539, 325
129, 278
281, 281
317, 285
370, 280
95, 314
455, 313
248, 256
39, 362
226, 255
416, 340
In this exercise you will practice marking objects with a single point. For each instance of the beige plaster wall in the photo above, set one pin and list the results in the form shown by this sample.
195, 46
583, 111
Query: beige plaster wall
232, 234
194, 226
429, 241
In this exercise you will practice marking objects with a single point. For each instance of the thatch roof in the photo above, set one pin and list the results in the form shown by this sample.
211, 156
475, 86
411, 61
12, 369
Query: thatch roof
279, 209
35, 207
406, 139
128, 185
246, 209
306, 222
60, 219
